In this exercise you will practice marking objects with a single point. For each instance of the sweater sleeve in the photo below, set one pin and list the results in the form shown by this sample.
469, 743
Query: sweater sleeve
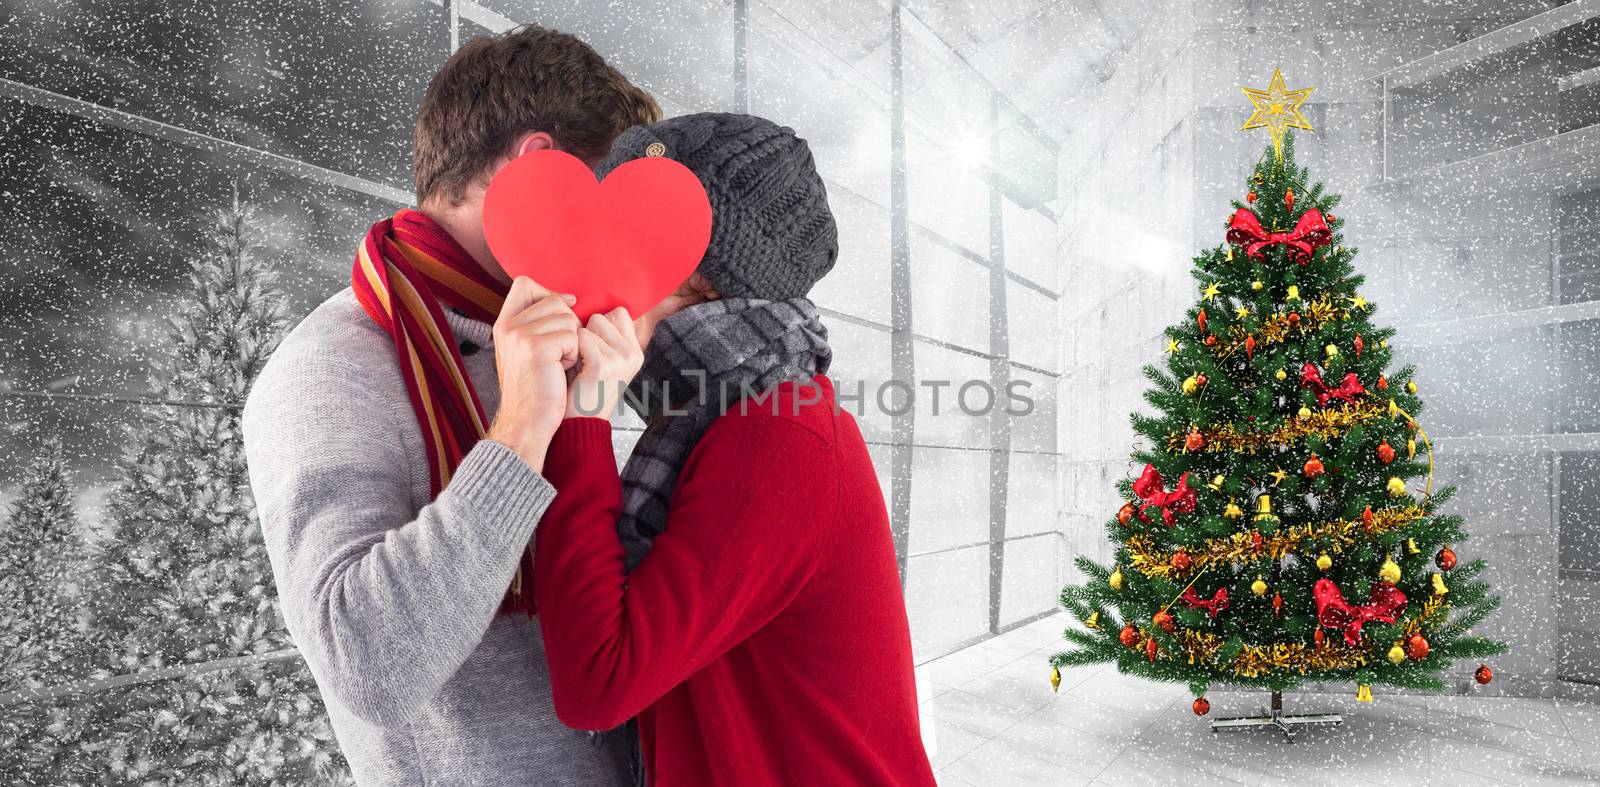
385, 602
745, 533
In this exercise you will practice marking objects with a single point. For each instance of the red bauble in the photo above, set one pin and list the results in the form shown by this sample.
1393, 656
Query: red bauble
1150, 650
1256, 541
1129, 636
1125, 513
1445, 560
1277, 604
1211, 340
1385, 452
1317, 636
1383, 383
1181, 561
1249, 348
1417, 647
1201, 380
1358, 345
1194, 441
1251, 197
1201, 706
1483, 675
1314, 467
1164, 620
1288, 199
1294, 318
1200, 320
1367, 518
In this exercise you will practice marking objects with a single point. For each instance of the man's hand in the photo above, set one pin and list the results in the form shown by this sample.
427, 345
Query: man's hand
611, 356
535, 342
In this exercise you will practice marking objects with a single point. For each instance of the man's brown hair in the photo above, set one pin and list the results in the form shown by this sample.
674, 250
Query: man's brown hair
496, 88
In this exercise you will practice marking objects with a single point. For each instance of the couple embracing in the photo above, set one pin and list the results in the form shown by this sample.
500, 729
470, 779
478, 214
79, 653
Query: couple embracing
480, 593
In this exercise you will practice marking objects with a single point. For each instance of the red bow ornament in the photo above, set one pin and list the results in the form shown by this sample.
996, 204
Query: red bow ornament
1150, 489
1309, 234
1386, 604
1213, 605
1346, 391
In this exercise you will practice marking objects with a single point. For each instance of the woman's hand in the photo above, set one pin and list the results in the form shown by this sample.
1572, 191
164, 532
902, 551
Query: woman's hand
609, 356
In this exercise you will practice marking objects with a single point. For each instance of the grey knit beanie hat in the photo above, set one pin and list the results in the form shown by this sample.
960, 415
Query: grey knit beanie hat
772, 234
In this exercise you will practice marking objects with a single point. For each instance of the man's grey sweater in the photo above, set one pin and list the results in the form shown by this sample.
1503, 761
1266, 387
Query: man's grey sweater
391, 597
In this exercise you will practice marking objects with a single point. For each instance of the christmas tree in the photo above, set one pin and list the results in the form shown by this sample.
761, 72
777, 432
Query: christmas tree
1285, 527
182, 578
40, 550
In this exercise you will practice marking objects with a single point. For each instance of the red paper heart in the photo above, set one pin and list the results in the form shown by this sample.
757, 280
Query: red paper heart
628, 241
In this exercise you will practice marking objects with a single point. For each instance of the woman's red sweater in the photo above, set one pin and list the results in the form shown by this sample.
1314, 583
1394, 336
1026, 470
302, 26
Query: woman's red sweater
764, 639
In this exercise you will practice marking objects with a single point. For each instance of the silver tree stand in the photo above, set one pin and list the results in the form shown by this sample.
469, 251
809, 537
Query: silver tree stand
1275, 718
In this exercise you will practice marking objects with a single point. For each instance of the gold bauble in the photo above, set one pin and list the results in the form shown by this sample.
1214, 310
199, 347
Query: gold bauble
1305, 412
1411, 387
1281, 374
1257, 285
1190, 384
1390, 572
1411, 449
1055, 678
1397, 487
1331, 350
1259, 587
1294, 293
1324, 562
1115, 580
1397, 654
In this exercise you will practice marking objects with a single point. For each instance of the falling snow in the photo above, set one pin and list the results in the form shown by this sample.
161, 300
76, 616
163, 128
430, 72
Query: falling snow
1063, 162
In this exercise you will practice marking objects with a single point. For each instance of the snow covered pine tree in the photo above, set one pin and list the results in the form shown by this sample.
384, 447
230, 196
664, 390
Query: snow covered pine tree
39, 552
182, 577
1285, 528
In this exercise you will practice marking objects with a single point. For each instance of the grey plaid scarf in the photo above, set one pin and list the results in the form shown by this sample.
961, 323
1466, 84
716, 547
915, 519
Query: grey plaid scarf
701, 362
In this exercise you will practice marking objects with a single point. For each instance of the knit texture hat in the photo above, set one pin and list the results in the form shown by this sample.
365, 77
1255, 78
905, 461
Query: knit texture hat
772, 234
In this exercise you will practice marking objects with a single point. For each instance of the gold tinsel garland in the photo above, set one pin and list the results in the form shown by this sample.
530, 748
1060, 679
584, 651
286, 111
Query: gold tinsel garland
1254, 661
1432, 605
1240, 547
1326, 423
1279, 328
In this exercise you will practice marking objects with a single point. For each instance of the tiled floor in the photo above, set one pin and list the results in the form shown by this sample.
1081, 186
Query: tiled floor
990, 719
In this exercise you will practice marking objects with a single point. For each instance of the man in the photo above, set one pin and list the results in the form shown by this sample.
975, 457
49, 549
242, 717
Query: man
752, 617
396, 442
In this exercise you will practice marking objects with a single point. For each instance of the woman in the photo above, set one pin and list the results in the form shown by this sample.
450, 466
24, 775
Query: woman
752, 617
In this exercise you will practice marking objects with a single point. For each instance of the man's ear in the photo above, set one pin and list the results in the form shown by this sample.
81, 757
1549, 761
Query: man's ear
533, 140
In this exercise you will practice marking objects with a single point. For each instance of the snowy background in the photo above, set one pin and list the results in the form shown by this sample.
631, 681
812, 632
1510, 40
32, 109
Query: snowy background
1063, 161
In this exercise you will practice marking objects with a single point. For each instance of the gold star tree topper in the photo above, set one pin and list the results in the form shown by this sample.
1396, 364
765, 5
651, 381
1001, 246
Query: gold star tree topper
1277, 110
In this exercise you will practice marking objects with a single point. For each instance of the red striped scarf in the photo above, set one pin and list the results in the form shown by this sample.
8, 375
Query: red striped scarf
407, 267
